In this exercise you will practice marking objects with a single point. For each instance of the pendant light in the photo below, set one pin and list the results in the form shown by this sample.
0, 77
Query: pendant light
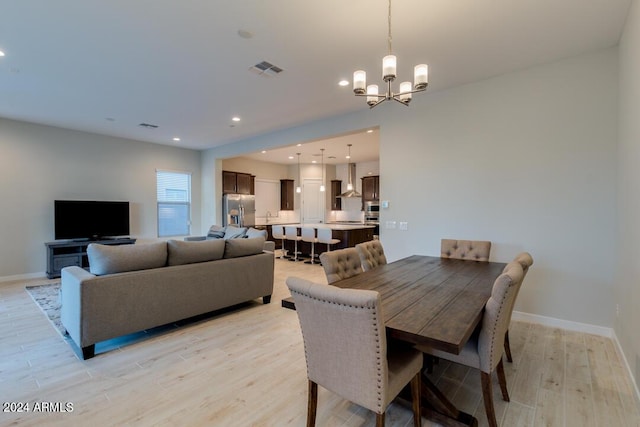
298, 188
322, 182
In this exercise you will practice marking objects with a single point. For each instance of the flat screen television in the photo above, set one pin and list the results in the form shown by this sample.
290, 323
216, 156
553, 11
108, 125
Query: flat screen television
84, 219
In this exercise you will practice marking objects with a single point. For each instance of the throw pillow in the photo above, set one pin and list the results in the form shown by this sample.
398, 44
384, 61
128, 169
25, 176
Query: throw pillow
243, 247
254, 232
234, 232
109, 259
216, 232
192, 252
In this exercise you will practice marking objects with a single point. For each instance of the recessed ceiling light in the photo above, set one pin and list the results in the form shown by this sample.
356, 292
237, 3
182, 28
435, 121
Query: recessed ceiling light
343, 83
176, 139
263, 151
370, 131
290, 157
299, 145
235, 119
314, 161
1, 53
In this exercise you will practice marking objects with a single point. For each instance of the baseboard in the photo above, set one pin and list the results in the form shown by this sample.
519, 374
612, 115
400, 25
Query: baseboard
626, 363
17, 277
563, 324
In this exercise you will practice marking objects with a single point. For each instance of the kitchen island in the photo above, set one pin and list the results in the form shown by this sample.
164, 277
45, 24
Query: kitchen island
349, 234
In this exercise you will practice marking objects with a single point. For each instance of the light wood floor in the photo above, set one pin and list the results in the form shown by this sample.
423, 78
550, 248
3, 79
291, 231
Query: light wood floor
246, 368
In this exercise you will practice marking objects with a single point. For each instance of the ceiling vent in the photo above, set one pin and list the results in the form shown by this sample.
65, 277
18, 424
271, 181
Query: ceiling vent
265, 69
148, 126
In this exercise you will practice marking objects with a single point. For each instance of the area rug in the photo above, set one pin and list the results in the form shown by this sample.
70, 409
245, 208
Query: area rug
48, 299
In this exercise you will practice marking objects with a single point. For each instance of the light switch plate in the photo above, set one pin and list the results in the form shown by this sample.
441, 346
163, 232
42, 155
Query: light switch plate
391, 224
404, 225
385, 204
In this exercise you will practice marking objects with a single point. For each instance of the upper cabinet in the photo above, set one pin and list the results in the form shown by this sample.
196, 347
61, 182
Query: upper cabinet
336, 189
237, 183
286, 195
370, 188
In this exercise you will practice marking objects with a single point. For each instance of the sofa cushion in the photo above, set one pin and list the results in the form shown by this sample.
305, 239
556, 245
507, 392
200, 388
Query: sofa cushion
234, 232
109, 259
216, 232
243, 247
192, 252
254, 232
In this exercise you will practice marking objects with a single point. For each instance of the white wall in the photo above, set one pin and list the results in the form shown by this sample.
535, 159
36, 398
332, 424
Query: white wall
627, 289
526, 160
39, 164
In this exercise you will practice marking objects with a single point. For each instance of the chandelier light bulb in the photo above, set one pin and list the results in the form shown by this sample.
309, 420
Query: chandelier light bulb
359, 81
420, 77
405, 92
389, 68
372, 94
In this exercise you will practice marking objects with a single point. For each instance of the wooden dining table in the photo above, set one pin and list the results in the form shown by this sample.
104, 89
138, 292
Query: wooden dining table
436, 302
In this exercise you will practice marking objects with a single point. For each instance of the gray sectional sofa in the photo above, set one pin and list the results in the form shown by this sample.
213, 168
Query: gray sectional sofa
130, 288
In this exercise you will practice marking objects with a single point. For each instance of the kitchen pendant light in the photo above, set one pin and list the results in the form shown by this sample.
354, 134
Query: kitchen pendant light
298, 188
322, 182
420, 79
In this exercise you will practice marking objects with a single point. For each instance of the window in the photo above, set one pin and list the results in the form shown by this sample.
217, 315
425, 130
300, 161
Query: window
174, 203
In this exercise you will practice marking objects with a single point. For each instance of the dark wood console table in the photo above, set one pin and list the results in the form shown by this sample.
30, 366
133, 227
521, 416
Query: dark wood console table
64, 253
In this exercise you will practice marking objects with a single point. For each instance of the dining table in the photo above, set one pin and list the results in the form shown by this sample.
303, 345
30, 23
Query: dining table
432, 301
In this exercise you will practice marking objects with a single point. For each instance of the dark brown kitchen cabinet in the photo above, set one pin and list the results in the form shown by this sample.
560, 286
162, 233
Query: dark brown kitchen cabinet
286, 194
370, 188
336, 189
237, 183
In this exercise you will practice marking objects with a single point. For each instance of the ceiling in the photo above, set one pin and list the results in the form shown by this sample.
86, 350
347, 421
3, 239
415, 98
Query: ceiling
108, 66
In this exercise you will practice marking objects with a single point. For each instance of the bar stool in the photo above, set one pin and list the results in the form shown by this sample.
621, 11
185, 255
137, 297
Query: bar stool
308, 234
324, 236
277, 231
291, 233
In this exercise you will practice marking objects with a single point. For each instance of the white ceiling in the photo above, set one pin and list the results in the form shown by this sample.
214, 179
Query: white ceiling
107, 66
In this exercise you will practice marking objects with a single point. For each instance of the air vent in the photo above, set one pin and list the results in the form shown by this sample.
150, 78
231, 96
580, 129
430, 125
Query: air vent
148, 126
265, 69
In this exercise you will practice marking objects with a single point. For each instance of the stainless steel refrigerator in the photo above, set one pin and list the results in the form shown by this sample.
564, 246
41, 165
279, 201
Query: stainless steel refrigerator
239, 210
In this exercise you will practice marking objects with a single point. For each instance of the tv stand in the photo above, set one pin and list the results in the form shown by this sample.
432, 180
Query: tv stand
64, 253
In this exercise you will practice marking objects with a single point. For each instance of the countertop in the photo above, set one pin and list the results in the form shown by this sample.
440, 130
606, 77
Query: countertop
333, 226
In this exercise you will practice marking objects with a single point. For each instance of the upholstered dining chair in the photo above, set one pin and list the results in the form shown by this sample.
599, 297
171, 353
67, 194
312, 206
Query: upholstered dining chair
340, 264
474, 250
525, 260
483, 351
346, 349
371, 254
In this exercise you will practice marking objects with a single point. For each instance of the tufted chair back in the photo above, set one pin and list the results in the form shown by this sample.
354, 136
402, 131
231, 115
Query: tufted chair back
345, 347
525, 259
473, 250
497, 313
371, 254
341, 264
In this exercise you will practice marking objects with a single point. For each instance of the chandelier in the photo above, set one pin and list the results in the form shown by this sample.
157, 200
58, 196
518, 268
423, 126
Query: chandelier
420, 77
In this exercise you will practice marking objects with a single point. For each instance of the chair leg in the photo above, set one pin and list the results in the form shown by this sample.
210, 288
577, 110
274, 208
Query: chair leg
312, 404
416, 385
487, 397
502, 379
507, 347
380, 420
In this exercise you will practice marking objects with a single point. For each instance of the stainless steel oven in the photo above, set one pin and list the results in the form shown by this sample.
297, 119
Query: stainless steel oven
372, 216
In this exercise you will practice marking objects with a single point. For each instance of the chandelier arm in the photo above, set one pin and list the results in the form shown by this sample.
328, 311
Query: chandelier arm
364, 94
406, 104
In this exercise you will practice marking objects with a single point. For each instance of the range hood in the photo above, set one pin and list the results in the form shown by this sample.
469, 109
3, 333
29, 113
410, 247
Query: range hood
351, 168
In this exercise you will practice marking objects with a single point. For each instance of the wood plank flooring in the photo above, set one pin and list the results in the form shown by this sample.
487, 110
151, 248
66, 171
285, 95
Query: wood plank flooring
246, 367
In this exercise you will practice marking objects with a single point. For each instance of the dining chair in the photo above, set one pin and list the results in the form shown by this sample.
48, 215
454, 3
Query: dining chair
341, 264
291, 233
371, 254
483, 351
525, 260
475, 250
346, 349
308, 234
325, 236
277, 231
